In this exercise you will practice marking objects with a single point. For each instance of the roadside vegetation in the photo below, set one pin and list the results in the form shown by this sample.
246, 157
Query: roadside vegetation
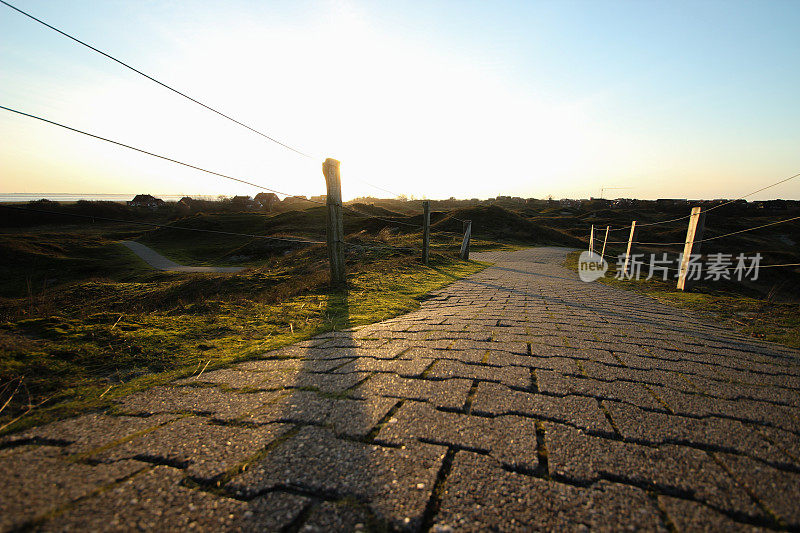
747, 309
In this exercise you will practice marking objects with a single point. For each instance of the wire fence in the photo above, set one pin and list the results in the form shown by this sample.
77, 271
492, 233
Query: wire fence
691, 240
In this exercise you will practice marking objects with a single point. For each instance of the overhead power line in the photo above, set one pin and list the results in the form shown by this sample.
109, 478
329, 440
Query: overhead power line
165, 158
151, 78
195, 167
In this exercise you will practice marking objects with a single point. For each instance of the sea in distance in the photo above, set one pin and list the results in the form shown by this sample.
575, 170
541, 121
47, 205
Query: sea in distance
24, 197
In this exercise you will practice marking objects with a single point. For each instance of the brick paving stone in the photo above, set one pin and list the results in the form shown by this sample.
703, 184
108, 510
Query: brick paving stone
687, 515
345, 416
448, 393
576, 456
205, 450
339, 516
512, 376
658, 428
784, 417
331, 383
777, 489
395, 483
788, 442
56, 483
242, 379
156, 501
404, 367
480, 496
88, 432
559, 384
309, 365
579, 411
222, 405
510, 439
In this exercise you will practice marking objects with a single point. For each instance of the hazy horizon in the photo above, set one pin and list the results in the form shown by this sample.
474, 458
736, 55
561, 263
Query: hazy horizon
119, 197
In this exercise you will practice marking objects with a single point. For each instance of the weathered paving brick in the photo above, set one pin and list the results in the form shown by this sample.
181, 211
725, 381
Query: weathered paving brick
156, 501
242, 379
309, 365
778, 490
579, 411
38, 480
510, 439
555, 383
223, 405
448, 393
344, 515
87, 432
576, 456
692, 516
700, 405
480, 496
345, 416
404, 367
205, 450
511, 375
657, 428
395, 483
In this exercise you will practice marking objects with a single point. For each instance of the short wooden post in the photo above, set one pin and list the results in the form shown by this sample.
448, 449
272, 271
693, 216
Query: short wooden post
591, 240
465, 245
605, 240
335, 225
697, 222
426, 231
631, 239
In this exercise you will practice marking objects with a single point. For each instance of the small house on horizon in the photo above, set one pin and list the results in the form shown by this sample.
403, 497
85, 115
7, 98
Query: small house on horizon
146, 200
268, 200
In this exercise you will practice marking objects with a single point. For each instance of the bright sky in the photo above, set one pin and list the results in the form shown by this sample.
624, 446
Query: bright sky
430, 99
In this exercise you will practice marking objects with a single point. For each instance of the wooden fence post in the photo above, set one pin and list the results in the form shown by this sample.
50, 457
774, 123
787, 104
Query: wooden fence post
605, 240
591, 240
426, 231
631, 239
697, 222
335, 225
465, 245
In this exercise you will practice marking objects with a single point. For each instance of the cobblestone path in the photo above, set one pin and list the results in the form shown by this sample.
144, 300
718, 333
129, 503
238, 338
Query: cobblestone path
516, 399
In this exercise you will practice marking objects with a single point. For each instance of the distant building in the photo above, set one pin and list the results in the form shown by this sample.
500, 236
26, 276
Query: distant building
243, 202
268, 200
295, 202
146, 200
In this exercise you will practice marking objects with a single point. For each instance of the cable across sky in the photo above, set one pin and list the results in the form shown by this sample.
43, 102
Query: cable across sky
151, 78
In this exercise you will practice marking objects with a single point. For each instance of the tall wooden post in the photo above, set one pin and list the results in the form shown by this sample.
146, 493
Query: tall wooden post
426, 231
591, 240
605, 240
465, 245
631, 239
335, 225
697, 222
